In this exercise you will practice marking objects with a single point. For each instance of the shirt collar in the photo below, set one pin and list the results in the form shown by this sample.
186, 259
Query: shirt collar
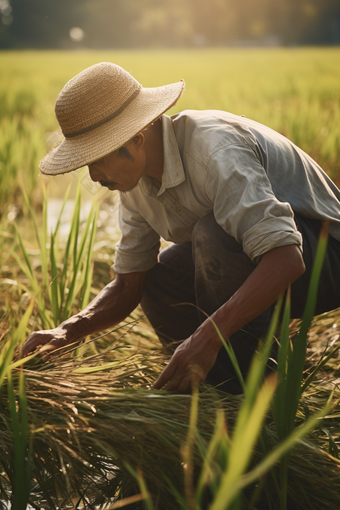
173, 171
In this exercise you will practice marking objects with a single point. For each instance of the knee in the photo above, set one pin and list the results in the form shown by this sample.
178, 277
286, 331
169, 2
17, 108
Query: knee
203, 230
208, 233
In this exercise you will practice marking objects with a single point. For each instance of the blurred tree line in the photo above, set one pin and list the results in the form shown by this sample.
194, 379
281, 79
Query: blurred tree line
166, 23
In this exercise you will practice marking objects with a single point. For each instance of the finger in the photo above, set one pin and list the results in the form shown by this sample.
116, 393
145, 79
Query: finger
54, 346
197, 375
45, 343
185, 381
184, 386
165, 376
176, 380
56, 343
31, 344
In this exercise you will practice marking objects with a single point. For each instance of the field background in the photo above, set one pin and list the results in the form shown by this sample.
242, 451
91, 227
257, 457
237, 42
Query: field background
296, 91
293, 90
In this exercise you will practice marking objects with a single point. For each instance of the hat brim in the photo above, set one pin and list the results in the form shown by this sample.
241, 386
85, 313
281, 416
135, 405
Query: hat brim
81, 150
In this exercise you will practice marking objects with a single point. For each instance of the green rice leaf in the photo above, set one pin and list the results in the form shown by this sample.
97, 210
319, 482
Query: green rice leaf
298, 355
281, 399
284, 447
88, 267
244, 437
207, 473
54, 288
258, 364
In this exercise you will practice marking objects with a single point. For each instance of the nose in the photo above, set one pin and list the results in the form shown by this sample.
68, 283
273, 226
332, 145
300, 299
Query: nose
95, 174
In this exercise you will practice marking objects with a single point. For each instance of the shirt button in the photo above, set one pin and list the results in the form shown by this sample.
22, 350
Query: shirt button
179, 210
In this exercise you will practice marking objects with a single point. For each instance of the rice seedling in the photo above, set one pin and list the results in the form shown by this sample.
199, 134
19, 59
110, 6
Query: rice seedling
21, 469
237, 450
96, 431
63, 276
290, 367
18, 468
94, 427
89, 427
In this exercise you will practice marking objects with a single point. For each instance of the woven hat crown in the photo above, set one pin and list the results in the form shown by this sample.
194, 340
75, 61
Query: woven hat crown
93, 97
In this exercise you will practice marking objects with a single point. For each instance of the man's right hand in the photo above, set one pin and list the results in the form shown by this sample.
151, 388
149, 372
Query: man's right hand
54, 337
110, 307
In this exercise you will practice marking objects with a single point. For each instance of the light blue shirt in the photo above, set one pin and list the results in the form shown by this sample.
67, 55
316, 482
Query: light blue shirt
249, 176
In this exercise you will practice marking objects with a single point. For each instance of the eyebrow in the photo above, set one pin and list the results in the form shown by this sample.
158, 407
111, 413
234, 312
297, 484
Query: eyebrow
124, 151
100, 160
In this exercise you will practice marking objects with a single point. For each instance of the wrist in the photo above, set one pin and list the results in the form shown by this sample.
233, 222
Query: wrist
75, 328
208, 335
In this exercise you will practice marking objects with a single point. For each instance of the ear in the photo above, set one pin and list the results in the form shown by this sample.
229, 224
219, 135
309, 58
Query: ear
138, 140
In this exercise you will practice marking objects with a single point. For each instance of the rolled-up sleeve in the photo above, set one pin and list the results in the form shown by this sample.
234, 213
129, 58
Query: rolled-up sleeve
139, 246
244, 203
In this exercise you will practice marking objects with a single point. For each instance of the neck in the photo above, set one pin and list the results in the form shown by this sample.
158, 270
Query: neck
154, 150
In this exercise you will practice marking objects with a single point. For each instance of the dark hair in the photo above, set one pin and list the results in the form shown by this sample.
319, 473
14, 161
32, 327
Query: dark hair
125, 153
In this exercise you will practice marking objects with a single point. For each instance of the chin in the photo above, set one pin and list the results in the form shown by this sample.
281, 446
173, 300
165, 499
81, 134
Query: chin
127, 190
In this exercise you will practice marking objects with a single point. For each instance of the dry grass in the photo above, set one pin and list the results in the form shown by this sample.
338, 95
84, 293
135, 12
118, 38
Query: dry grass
87, 425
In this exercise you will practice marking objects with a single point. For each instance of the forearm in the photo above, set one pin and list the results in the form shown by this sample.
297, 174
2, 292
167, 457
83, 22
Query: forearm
277, 270
112, 305
195, 357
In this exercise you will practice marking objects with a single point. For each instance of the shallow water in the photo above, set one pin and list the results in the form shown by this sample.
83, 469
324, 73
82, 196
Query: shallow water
107, 218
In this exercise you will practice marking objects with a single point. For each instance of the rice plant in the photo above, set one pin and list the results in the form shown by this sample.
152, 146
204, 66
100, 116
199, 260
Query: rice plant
93, 427
18, 466
90, 430
64, 275
290, 368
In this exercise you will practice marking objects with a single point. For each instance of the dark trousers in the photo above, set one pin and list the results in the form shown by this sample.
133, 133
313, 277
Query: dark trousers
205, 273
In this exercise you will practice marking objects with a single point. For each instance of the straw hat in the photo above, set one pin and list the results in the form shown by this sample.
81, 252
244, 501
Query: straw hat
101, 109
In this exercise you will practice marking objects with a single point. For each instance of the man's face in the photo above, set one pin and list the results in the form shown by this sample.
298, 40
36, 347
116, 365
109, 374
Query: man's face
118, 170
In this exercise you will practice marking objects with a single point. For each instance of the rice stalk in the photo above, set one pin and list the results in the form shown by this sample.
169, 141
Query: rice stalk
87, 427
290, 366
96, 431
20, 471
93, 423
56, 296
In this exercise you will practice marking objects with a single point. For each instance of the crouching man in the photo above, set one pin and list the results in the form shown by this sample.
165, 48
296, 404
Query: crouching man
242, 205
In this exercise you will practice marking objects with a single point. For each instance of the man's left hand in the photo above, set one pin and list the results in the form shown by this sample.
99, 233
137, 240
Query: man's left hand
189, 365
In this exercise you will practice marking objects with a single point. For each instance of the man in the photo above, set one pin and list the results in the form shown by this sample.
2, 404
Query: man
237, 199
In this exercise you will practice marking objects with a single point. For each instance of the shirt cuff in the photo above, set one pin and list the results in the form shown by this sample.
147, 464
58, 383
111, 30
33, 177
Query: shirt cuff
269, 234
134, 262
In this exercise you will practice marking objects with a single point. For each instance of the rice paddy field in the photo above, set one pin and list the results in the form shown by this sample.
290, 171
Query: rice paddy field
81, 428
